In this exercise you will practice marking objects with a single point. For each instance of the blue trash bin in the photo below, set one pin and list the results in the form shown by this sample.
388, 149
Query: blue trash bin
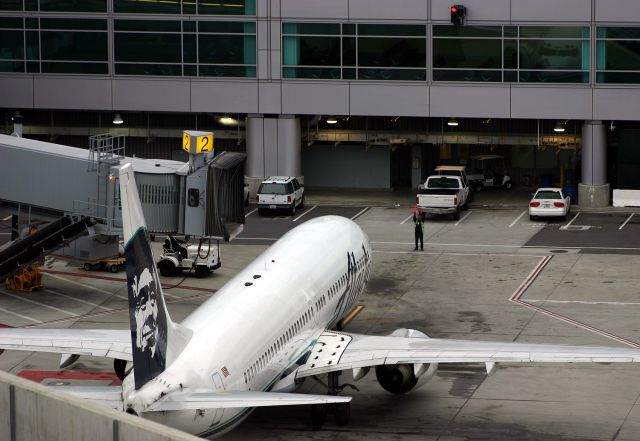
572, 192
545, 180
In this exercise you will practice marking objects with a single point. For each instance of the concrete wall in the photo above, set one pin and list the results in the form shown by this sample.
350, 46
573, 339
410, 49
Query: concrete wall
269, 94
31, 411
352, 166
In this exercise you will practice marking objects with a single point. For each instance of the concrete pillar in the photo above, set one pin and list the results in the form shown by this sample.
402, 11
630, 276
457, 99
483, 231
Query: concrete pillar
273, 148
594, 190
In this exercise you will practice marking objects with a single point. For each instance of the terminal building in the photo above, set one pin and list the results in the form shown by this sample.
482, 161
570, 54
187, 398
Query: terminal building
340, 93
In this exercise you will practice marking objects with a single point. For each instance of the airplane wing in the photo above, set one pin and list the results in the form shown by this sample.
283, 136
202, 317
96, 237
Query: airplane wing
205, 399
101, 343
336, 351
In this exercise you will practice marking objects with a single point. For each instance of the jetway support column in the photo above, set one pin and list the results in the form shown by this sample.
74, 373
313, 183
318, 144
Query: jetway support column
273, 148
594, 191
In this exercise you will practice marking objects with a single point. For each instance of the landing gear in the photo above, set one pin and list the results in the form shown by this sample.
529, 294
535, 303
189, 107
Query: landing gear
341, 411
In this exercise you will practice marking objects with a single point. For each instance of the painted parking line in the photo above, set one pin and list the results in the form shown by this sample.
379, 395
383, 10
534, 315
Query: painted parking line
7, 218
408, 217
249, 213
95, 305
308, 211
84, 285
24, 299
463, 218
360, 213
31, 319
625, 222
564, 227
584, 302
517, 219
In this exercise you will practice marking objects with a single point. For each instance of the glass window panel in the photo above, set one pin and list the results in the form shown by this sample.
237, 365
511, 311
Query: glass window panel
83, 68
395, 30
148, 69
311, 51
329, 73
619, 32
32, 23
189, 7
510, 76
10, 5
510, 54
146, 7
349, 74
11, 66
392, 52
74, 46
147, 25
147, 47
226, 49
73, 23
311, 28
618, 77
349, 29
227, 71
549, 76
31, 5
553, 32
551, 54
467, 75
348, 51
74, 5
452, 53
33, 67
236, 7
226, 27
33, 46
190, 70
619, 55
12, 45
467, 31
392, 74
510, 31
11, 23
189, 26
189, 48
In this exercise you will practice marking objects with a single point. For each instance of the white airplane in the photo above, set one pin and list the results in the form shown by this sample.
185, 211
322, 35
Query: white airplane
263, 333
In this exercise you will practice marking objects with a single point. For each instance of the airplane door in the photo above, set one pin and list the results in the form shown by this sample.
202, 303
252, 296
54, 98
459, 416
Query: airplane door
219, 387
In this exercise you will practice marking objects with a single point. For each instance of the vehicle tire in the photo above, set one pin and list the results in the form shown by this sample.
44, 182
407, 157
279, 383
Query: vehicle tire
302, 202
293, 208
456, 215
201, 271
246, 200
152, 237
318, 415
87, 266
167, 268
342, 413
478, 188
465, 207
532, 218
113, 268
508, 185
260, 212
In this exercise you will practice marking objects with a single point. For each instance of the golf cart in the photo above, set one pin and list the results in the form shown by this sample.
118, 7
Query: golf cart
488, 171
202, 258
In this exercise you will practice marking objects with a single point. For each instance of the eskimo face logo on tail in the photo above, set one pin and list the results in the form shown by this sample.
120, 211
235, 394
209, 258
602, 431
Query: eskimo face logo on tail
145, 311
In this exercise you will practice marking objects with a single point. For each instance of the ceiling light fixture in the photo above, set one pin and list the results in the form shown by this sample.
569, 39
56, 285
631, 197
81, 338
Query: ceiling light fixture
559, 127
332, 120
117, 119
452, 122
226, 120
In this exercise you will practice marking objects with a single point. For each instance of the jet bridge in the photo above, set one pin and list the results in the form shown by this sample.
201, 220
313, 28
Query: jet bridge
82, 184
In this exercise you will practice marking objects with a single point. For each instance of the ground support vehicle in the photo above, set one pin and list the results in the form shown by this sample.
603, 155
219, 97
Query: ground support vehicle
112, 265
442, 194
201, 259
488, 171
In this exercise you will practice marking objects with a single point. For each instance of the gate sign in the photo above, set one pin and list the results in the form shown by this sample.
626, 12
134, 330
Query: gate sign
195, 142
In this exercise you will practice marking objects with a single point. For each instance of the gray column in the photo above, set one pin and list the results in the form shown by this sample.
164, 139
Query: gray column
273, 148
593, 191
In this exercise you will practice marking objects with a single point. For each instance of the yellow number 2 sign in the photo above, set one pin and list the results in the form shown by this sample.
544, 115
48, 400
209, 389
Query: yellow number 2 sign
195, 142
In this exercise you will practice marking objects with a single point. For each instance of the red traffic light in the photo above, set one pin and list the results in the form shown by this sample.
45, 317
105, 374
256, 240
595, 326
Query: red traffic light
454, 9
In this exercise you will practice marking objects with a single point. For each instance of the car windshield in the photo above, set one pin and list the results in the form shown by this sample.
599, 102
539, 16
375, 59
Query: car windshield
442, 182
548, 195
272, 188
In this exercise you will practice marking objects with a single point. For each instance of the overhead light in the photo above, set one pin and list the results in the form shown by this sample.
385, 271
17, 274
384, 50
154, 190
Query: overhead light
117, 119
452, 122
17, 116
332, 120
559, 127
227, 120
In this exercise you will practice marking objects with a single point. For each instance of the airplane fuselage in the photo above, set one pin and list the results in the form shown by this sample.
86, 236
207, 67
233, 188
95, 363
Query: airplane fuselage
255, 331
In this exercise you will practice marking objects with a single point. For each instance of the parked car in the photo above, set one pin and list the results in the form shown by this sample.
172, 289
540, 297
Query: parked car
549, 202
280, 192
443, 194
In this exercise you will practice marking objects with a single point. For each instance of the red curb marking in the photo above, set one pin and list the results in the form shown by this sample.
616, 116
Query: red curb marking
120, 279
39, 376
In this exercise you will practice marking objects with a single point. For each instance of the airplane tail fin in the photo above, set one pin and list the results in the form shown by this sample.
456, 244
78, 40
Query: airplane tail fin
156, 341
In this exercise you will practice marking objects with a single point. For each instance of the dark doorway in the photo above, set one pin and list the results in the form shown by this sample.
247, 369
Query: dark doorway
401, 166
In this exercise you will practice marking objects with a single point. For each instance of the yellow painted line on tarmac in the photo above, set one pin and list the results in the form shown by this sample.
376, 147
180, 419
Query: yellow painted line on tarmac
345, 321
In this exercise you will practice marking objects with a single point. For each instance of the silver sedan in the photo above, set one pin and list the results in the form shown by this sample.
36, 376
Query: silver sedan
549, 202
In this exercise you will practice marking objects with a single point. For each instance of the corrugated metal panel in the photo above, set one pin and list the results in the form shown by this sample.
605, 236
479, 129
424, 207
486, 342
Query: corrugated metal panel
160, 198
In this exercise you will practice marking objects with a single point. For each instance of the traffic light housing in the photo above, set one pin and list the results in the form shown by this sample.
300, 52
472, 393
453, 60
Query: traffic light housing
458, 13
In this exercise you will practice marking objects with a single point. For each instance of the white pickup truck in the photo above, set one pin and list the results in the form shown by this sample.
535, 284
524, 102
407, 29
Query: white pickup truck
443, 194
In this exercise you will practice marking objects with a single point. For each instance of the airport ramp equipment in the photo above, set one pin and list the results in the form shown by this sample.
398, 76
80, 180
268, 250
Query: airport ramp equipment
46, 240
